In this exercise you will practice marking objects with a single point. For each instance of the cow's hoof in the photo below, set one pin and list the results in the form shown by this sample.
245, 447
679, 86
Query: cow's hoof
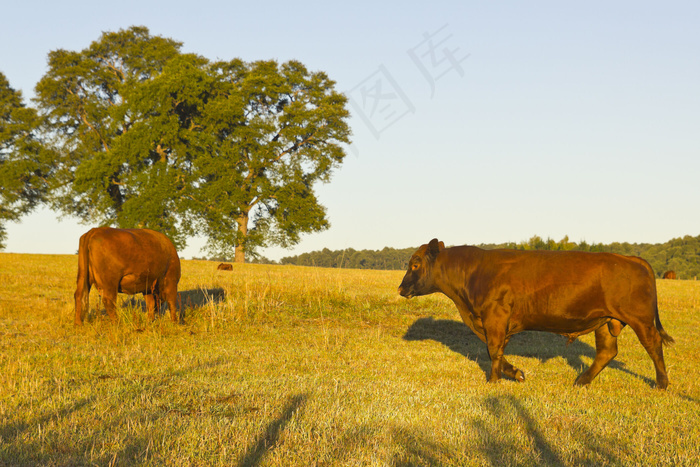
581, 382
662, 385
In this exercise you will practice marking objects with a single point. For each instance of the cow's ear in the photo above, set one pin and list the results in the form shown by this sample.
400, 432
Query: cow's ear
435, 247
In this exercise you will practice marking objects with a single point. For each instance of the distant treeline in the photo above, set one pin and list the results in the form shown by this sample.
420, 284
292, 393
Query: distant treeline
681, 255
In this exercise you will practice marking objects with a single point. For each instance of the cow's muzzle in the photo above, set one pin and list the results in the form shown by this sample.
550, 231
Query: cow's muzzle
405, 292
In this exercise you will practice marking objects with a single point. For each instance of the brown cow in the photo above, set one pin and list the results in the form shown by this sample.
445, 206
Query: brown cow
501, 292
670, 275
127, 261
224, 267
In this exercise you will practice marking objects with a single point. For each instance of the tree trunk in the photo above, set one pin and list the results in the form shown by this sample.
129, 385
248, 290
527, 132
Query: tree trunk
242, 235
115, 195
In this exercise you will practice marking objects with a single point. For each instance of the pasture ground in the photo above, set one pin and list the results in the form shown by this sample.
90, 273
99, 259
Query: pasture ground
283, 365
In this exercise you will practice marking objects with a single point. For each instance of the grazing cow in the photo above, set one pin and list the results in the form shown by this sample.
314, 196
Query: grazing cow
224, 267
670, 275
501, 292
127, 261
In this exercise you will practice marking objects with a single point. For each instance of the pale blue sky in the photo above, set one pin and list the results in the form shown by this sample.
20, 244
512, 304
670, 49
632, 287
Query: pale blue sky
552, 118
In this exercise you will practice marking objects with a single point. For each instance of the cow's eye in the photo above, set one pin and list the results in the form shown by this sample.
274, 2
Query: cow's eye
415, 266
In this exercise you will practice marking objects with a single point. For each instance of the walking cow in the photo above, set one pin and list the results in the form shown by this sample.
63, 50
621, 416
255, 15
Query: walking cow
127, 261
501, 292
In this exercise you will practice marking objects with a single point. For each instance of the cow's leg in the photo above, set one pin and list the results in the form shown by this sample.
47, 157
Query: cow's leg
170, 293
508, 369
82, 301
151, 303
171, 298
606, 350
496, 342
176, 303
495, 346
512, 372
651, 340
158, 302
173, 307
109, 297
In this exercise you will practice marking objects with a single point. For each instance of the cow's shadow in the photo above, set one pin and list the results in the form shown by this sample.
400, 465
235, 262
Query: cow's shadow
456, 336
198, 298
195, 298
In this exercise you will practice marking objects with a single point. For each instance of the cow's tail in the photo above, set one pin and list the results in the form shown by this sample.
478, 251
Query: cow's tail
665, 338
82, 290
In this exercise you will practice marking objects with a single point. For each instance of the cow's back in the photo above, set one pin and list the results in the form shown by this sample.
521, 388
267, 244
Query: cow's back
554, 291
130, 258
541, 269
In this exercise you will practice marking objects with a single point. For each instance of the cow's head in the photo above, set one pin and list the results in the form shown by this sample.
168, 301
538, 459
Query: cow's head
419, 277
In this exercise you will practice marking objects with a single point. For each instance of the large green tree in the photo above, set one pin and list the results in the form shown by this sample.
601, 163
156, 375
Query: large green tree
91, 103
24, 164
151, 137
272, 132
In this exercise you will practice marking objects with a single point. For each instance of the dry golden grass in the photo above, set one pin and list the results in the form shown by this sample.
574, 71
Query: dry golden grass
304, 366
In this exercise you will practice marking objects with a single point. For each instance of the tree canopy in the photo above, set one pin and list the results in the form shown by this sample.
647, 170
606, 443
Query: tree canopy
92, 101
23, 160
274, 131
147, 136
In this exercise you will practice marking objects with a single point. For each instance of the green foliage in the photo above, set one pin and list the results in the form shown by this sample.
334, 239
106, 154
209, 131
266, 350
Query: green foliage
24, 164
93, 101
273, 132
151, 137
681, 255
387, 258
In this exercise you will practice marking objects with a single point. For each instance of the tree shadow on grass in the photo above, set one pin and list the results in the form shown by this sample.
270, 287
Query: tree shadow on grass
56, 447
499, 446
505, 447
498, 438
16, 429
269, 438
544, 346
417, 449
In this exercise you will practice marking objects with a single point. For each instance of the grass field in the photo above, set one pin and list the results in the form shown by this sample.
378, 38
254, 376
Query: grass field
303, 366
